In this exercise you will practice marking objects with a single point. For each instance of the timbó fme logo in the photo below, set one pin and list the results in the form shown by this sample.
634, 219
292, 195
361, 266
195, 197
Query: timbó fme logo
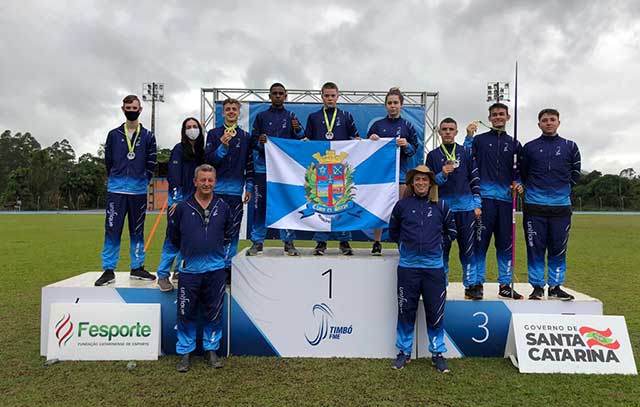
324, 316
64, 330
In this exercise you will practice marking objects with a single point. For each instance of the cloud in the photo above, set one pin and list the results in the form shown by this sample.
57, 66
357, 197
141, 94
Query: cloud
67, 65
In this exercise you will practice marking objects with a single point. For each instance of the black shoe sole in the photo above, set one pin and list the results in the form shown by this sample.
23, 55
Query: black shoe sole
106, 283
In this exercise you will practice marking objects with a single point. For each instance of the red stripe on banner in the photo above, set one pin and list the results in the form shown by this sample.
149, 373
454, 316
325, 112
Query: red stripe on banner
587, 329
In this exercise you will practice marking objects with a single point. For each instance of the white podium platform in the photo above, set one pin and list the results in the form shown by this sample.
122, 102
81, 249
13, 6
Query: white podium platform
80, 289
345, 306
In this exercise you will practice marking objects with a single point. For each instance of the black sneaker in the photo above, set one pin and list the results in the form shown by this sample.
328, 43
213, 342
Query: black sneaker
346, 249
401, 360
255, 249
213, 360
440, 363
141, 274
185, 363
472, 293
481, 290
175, 276
377, 249
165, 285
107, 277
321, 247
537, 293
506, 291
290, 249
557, 293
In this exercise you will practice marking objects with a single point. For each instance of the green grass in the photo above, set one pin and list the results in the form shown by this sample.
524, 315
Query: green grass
37, 250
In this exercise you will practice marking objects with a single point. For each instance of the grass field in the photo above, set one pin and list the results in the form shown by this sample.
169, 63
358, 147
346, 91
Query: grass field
36, 250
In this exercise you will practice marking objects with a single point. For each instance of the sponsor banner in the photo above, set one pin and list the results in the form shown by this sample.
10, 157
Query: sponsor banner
104, 331
310, 307
570, 344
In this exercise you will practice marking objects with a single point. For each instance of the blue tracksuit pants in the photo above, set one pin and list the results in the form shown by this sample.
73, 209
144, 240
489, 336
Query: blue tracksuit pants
237, 209
135, 209
496, 221
169, 253
204, 290
259, 227
546, 235
466, 227
431, 284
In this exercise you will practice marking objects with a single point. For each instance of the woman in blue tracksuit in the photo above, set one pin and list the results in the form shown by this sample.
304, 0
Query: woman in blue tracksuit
406, 139
185, 157
420, 223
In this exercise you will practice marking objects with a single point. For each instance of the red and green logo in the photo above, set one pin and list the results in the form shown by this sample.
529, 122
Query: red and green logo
64, 330
599, 338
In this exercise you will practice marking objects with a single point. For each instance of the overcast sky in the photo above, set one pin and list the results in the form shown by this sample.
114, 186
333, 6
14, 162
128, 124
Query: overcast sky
67, 64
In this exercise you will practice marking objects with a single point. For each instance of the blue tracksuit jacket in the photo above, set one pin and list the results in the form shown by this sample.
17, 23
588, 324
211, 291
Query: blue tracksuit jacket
550, 167
201, 238
180, 176
274, 123
398, 128
129, 176
419, 227
460, 189
493, 152
233, 164
344, 128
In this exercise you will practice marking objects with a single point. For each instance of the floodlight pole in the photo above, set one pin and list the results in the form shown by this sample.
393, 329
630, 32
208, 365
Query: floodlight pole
153, 92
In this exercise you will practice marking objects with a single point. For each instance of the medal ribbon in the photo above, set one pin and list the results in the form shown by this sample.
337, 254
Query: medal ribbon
131, 145
230, 127
333, 119
450, 156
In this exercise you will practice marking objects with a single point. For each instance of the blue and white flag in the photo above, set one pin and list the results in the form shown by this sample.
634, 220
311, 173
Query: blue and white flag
331, 186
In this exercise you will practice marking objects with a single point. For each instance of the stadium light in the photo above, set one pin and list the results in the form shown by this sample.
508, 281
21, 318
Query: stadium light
497, 91
153, 92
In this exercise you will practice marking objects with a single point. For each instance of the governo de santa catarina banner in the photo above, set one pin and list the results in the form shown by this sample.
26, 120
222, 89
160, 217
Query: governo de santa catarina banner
331, 186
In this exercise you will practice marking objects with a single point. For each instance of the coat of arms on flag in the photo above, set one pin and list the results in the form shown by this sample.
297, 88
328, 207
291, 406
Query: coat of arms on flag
331, 185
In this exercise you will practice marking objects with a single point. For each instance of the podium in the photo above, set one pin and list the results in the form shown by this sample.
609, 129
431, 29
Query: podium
345, 306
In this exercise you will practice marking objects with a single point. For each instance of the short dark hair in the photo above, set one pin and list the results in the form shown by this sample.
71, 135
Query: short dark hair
394, 91
549, 111
498, 105
277, 85
230, 101
328, 85
448, 120
130, 99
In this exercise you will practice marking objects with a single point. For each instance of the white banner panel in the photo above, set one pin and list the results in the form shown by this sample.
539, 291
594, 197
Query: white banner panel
104, 331
314, 306
570, 344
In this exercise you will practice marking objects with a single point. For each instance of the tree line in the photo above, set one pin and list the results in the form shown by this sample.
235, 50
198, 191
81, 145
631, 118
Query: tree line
53, 178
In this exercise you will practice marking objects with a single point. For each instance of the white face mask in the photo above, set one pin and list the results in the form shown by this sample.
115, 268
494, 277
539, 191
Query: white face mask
192, 133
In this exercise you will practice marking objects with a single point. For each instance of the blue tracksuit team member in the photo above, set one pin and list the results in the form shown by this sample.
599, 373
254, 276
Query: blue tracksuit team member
458, 187
130, 158
406, 139
331, 123
550, 167
273, 122
184, 159
201, 227
493, 152
229, 150
420, 224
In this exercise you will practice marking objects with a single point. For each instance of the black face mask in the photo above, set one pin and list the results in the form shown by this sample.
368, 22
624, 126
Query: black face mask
132, 115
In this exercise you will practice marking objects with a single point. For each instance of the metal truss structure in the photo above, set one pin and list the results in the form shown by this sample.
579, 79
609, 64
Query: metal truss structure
209, 97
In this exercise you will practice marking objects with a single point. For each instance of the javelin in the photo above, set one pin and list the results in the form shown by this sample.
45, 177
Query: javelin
513, 185
155, 225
